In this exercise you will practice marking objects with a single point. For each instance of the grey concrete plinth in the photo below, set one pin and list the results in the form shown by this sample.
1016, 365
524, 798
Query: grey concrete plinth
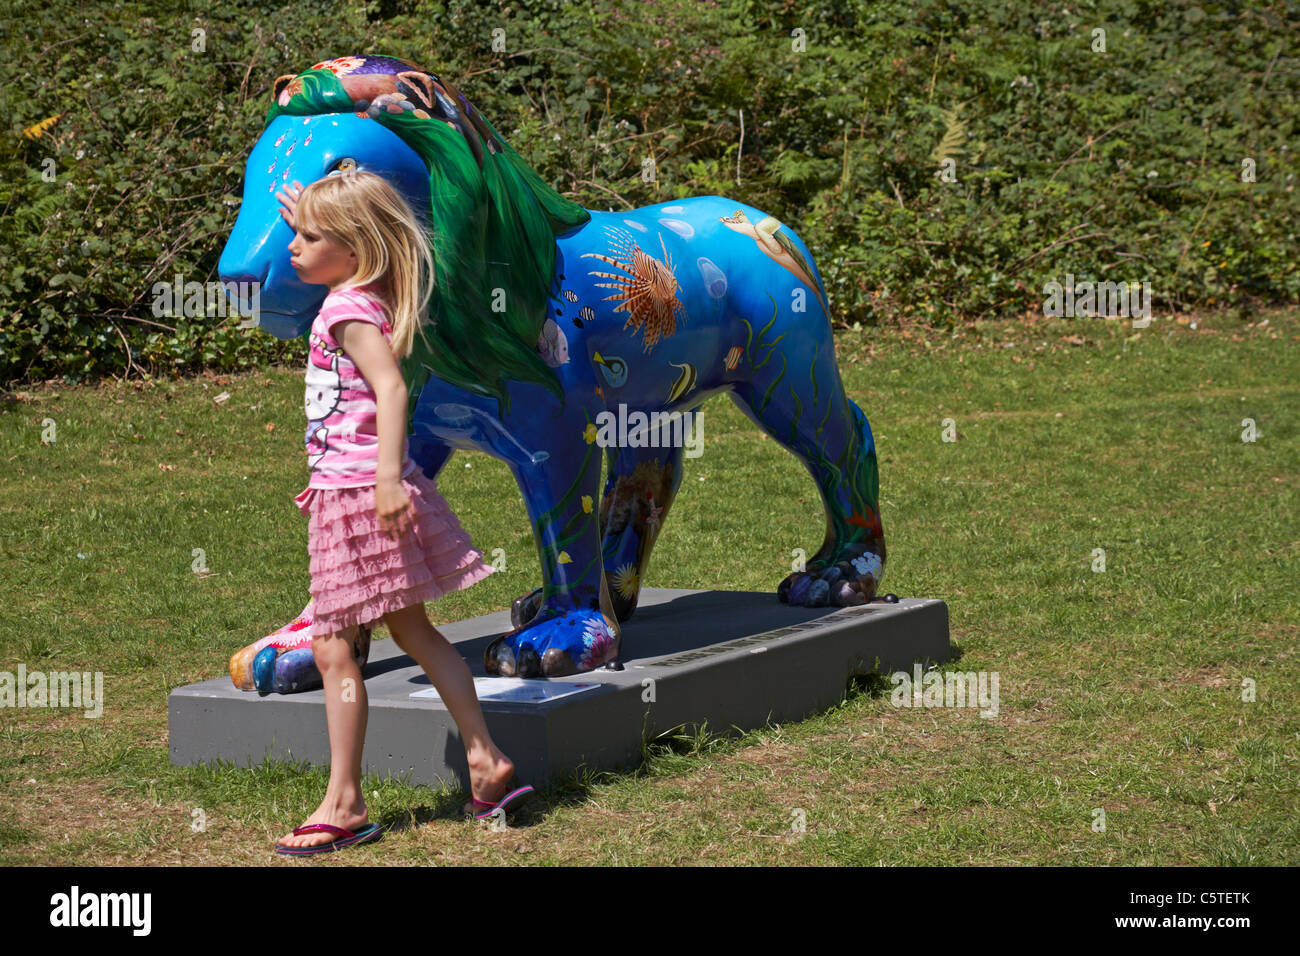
733, 659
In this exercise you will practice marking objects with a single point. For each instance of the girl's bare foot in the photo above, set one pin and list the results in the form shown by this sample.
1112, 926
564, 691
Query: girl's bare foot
490, 772
346, 815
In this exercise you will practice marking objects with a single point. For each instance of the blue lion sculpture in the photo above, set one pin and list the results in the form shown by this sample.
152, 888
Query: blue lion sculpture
559, 334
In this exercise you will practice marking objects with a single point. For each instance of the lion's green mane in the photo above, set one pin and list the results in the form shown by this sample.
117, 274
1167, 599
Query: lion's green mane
491, 228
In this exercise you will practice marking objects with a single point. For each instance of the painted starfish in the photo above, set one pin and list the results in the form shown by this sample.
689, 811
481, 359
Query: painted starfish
872, 524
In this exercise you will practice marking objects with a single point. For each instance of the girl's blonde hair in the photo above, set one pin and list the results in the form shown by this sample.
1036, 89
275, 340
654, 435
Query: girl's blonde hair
363, 212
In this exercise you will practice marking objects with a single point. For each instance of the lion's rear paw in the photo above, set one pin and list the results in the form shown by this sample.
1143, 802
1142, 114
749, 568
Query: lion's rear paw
844, 584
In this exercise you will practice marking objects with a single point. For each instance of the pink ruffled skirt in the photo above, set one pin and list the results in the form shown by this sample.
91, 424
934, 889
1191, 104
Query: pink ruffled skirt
359, 574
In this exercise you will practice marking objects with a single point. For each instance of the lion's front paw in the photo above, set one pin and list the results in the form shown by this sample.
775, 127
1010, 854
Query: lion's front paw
525, 608
554, 645
285, 672
283, 663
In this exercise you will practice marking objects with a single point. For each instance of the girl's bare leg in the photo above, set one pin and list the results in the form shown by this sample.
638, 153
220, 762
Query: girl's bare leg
346, 710
489, 769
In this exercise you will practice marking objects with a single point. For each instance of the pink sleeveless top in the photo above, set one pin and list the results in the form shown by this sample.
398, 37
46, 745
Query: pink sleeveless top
342, 439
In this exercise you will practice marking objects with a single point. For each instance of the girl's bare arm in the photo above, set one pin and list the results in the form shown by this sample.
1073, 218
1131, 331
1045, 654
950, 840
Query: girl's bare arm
365, 346
368, 351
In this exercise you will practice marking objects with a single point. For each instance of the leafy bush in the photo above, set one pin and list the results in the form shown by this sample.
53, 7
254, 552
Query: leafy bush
1119, 165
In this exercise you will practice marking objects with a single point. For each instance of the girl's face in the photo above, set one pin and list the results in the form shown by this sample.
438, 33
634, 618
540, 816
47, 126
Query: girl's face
321, 259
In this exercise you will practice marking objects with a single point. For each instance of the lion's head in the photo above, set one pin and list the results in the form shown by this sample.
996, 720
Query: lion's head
492, 219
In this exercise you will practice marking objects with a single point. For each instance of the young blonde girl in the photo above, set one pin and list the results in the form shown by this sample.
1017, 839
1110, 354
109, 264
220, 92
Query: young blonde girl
382, 540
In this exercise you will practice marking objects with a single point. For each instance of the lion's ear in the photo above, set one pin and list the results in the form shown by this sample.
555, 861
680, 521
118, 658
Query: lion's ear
420, 83
278, 86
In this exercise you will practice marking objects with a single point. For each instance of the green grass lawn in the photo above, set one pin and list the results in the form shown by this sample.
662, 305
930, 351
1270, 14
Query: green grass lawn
1120, 690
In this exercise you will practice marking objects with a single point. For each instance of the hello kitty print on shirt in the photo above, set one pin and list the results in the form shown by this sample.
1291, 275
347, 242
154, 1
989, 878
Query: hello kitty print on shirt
342, 440
323, 393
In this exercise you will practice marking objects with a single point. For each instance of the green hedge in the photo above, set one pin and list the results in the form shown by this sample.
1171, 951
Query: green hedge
1116, 165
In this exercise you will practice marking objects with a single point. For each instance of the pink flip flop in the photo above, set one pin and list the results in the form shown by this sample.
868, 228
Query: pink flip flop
344, 839
478, 809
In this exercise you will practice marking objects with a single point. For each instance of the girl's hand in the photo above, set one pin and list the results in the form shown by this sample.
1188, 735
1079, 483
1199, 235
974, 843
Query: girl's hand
289, 201
393, 508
